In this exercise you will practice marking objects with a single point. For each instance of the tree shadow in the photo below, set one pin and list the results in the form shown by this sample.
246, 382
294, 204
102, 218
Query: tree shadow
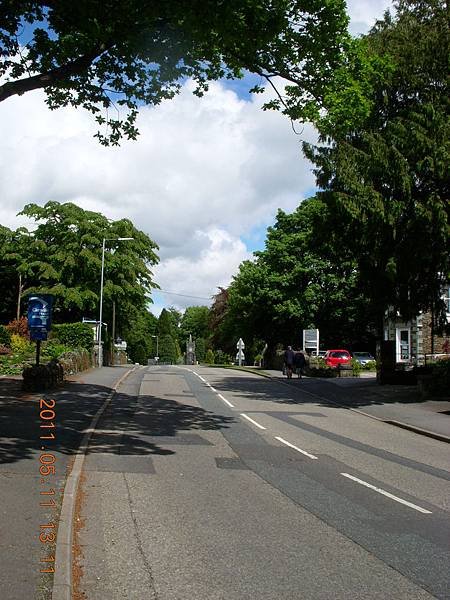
131, 424
348, 393
140, 425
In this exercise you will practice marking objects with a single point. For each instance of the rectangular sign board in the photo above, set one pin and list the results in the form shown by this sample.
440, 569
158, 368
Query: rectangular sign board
39, 315
311, 340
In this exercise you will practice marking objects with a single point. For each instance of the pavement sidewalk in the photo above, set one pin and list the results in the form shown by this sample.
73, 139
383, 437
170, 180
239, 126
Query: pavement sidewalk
400, 405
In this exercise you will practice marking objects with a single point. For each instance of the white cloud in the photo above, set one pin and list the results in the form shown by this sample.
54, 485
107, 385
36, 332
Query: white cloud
364, 13
203, 173
186, 280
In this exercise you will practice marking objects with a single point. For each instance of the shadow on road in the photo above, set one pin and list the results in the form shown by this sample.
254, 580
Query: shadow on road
140, 425
349, 393
129, 425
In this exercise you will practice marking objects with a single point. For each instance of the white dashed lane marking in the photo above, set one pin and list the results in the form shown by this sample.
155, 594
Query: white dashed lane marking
387, 494
280, 439
252, 421
226, 401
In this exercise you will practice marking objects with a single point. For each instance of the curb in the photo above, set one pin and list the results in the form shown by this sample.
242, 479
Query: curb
431, 434
420, 431
62, 581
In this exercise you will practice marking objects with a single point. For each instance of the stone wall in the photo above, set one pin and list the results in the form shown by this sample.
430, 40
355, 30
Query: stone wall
441, 342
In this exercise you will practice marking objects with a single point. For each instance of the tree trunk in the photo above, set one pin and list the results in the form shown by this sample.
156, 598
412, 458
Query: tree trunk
19, 296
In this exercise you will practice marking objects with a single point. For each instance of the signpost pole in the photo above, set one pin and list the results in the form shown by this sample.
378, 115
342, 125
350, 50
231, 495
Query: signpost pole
38, 351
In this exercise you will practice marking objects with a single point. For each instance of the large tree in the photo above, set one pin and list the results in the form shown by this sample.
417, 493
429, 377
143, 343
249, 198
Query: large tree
386, 166
304, 278
64, 257
138, 332
9, 276
111, 57
194, 322
167, 330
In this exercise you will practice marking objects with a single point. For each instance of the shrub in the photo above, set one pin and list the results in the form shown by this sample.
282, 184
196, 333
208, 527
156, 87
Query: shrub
74, 361
258, 359
226, 358
317, 367
356, 367
439, 383
74, 335
43, 377
5, 350
19, 327
5, 336
209, 358
54, 349
200, 349
20, 345
371, 365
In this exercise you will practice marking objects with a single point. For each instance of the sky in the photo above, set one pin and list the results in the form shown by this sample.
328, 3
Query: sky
204, 179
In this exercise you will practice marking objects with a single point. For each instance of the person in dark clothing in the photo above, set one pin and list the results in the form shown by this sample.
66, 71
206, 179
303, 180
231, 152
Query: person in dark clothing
289, 356
299, 363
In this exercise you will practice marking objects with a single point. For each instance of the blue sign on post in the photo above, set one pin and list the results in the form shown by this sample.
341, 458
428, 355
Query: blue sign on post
39, 316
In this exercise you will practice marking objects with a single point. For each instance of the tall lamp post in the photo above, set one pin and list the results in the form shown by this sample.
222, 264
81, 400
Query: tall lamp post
99, 330
157, 352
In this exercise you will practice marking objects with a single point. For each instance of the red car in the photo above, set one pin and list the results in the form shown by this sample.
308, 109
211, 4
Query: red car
336, 358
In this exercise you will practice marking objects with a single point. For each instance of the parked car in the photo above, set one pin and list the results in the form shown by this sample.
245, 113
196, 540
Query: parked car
338, 358
363, 357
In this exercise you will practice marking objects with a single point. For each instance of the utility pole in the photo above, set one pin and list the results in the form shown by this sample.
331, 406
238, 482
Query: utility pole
99, 330
113, 343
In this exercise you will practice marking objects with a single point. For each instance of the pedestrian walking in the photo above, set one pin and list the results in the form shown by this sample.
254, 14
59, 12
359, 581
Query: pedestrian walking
299, 363
289, 356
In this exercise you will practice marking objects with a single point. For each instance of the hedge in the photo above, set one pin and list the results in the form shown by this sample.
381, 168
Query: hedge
437, 382
75, 335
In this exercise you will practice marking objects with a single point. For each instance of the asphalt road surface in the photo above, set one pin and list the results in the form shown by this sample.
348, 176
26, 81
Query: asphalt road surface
208, 484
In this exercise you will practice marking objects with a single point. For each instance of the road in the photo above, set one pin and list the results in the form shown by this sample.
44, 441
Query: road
205, 483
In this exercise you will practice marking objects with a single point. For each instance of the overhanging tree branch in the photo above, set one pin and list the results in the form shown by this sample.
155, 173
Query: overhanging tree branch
50, 78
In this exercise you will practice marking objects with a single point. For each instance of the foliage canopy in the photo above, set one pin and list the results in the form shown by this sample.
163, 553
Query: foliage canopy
111, 57
63, 257
386, 172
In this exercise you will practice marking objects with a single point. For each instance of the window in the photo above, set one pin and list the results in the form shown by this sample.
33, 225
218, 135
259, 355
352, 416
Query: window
340, 354
403, 345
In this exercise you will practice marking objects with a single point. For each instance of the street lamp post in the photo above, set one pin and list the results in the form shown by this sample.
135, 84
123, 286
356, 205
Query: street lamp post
99, 330
157, 351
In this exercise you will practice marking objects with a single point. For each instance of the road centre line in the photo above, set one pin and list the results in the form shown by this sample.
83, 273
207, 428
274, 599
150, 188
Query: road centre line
381, 491
280, 439
225, 400
252, 421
